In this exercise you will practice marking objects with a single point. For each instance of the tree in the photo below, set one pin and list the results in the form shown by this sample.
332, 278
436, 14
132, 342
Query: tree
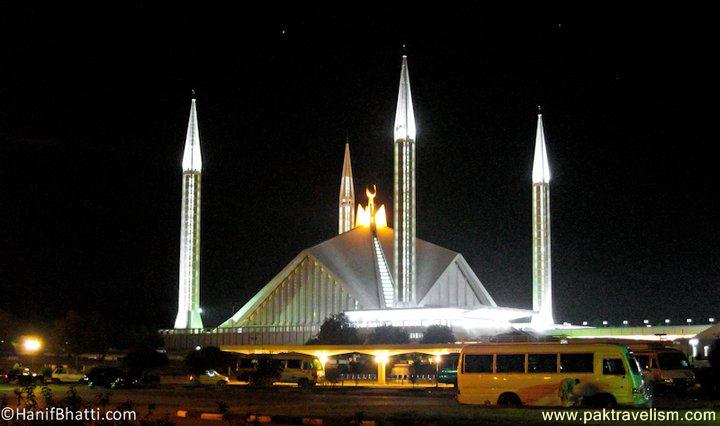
336, 330
438, 334
207, 358
140, 360
387, 334
8, 330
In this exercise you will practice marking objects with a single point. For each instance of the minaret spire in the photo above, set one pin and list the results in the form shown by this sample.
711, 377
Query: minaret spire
346, 220
542, 266
541, 169
188, 315
404, 193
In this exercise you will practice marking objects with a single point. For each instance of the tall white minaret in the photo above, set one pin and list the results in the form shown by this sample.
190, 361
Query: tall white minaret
188, 315
542, 272
346, 220
404, 194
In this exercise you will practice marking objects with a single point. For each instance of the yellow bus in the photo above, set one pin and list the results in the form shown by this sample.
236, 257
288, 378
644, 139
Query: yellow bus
550, 374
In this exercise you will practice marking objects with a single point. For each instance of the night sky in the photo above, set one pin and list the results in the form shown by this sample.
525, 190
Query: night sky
93, 112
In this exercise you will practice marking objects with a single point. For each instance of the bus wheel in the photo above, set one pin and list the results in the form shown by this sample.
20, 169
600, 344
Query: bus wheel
509, 400
304, 383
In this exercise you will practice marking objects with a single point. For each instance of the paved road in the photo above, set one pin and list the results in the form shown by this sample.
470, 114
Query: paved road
374, 403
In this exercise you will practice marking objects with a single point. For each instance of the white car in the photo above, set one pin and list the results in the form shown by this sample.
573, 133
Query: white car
62, 374
210, 377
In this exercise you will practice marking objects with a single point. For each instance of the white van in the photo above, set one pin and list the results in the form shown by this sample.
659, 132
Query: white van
301, 369
667, 369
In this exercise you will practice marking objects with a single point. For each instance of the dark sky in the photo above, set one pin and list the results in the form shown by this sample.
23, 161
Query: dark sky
93, 113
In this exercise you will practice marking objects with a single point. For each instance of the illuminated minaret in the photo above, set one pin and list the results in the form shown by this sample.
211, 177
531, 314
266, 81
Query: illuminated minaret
346, 220
404, 194
542, 273
188, 315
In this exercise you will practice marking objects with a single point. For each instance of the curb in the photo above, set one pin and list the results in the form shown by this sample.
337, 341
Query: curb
265, 419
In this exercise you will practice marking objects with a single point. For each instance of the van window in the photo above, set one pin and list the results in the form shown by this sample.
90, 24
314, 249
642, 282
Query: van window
644, 361
542, 363
613, 366
477, 363
576, 363
672, 361
294, 363
510, 364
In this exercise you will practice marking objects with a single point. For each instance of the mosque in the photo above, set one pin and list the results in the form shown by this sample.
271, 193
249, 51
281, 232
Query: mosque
374, 273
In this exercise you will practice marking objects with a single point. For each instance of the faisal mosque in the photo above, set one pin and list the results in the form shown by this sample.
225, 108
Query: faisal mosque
375, 272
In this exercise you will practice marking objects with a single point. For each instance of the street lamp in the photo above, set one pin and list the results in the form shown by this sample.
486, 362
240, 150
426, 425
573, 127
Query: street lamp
31, 345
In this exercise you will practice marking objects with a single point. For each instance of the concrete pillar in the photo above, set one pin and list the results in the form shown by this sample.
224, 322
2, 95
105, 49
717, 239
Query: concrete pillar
381, 372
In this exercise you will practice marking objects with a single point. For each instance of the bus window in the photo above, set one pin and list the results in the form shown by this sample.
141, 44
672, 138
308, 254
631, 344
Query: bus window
576, 363
477, 363
542, 363
613, 366
294, 363
510, 364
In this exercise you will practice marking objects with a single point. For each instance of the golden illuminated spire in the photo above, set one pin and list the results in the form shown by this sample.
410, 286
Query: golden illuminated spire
368, 216
371, 203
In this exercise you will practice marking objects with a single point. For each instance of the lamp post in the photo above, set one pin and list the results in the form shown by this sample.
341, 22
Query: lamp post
31, 345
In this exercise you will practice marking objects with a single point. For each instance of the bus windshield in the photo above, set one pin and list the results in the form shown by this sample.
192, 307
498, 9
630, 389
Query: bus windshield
672, 361
634, 365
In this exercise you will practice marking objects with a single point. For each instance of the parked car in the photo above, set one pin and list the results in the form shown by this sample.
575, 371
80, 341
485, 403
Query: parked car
209, 377
107, 377
23, 377
142, 379
63, 374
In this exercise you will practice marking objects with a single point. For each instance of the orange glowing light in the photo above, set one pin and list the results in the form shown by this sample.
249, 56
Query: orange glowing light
366, 216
